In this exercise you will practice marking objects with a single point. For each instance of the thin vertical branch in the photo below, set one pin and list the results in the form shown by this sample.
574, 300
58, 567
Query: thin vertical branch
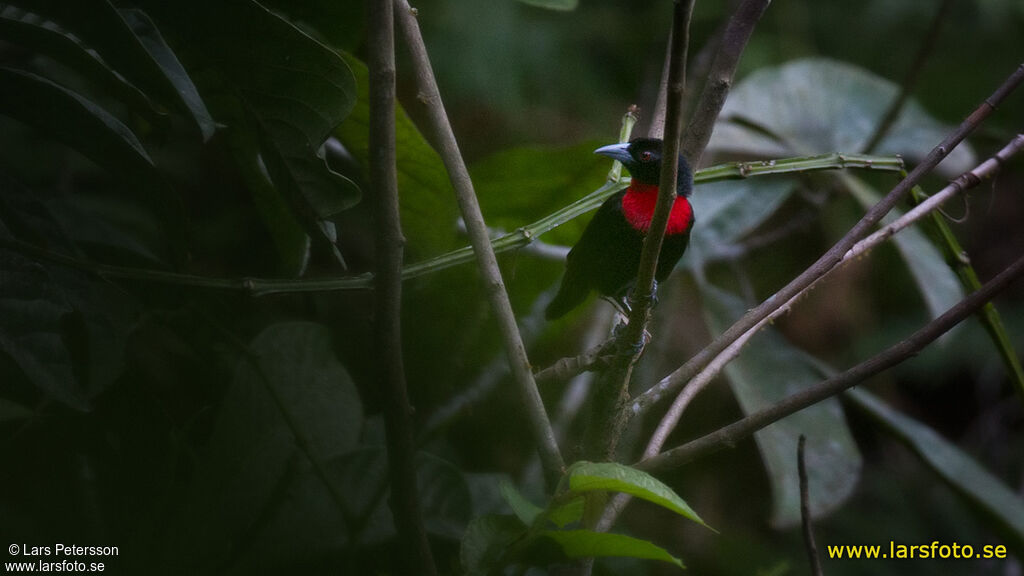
805, 510
416, 557
388, 294
612, 394
723, 68
910, 80
519, 362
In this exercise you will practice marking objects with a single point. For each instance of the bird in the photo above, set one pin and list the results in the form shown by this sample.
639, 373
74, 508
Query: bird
607, 256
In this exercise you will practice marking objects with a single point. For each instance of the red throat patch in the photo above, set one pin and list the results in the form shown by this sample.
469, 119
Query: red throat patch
638, 207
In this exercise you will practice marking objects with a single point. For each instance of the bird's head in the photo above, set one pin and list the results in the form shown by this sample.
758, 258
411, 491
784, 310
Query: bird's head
642, 157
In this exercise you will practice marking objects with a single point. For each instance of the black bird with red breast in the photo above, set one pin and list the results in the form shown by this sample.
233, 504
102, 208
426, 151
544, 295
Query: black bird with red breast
607, 256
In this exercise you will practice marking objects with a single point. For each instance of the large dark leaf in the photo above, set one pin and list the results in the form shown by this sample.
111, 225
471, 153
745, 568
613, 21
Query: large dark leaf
768, 370
75, 121
276, 84
143, 59
425, 194
818, 105
42, 36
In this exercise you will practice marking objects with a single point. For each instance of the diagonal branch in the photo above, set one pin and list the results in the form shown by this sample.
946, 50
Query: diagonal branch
984, 171
723, 68
430, 95
730, 435
674, 382
417, 557
910, 80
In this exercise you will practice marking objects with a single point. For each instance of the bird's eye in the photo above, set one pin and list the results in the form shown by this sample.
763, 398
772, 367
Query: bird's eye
646, 156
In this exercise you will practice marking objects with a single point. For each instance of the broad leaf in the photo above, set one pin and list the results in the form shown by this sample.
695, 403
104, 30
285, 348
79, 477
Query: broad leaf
984, 491
768, 370
74, 121
935, 280
726, 211
35, 316
154, 43
613, 477
291, 408
140, 59
525, 510
429, 214
486, 540
40, 35
586, 544
289, 87
818, 105
519, 185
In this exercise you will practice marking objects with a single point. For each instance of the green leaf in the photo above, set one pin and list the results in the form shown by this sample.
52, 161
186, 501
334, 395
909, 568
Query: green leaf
613, 477
818, 105
102, 28
726, 211
565, 514
516, 186
561, 5
486, 540
40, 35
428, 210
33, 332
768, 370
291, 409
292, 90
586, 544
13, 412
936, 282
525, 510
165, 58
984, 491
76, 122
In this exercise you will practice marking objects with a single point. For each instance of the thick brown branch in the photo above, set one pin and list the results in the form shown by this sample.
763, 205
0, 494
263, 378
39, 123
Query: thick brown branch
730, 435
412, 534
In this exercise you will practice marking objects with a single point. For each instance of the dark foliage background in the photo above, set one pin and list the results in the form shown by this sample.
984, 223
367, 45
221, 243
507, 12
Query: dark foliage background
207, 428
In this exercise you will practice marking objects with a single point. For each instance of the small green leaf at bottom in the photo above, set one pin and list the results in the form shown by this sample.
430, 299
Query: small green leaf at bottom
585, 544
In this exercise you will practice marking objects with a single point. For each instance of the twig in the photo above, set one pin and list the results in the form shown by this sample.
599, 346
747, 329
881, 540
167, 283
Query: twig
730, 435
910, 80
805, 510
519, 362
405, 509
524, 236
970, 179
716, 88
674, 381
611, 396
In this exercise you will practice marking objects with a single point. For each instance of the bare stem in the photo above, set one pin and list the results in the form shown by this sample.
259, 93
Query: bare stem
805, 510
910, 80
405, 509
733, 433
723, 68
441, 129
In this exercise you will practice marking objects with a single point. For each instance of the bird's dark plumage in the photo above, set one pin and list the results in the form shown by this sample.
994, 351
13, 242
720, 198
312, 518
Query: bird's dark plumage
607, 256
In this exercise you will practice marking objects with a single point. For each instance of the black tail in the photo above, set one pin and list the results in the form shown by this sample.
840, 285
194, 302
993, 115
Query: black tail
570, 295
